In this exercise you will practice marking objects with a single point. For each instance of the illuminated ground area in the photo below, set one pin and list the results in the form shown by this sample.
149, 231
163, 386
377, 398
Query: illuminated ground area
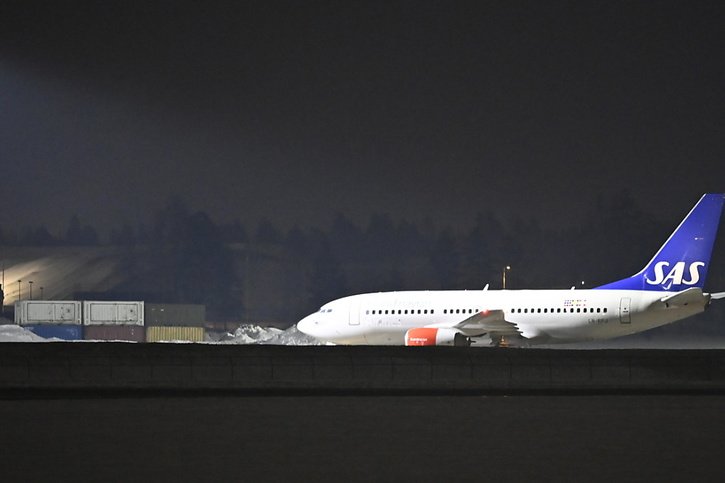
61, 271
356, 438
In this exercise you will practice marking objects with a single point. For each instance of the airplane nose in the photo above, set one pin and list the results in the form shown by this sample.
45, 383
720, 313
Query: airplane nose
307, 326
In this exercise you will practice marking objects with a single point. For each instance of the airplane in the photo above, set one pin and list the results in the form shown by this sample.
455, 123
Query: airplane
667, 289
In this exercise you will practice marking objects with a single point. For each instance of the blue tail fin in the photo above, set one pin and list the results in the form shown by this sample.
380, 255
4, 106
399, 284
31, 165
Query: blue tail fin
683, 260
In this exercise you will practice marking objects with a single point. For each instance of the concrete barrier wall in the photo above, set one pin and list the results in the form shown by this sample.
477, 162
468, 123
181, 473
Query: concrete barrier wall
118, 366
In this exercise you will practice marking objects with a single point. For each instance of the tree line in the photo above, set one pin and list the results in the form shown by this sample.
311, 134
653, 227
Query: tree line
184, 256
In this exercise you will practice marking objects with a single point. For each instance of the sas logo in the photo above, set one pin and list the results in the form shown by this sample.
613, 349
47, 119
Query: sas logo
676, 275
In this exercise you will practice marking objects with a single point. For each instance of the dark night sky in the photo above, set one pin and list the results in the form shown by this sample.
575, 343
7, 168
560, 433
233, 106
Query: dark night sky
296, 111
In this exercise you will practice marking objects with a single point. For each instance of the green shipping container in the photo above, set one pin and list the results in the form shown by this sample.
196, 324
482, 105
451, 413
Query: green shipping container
175, 315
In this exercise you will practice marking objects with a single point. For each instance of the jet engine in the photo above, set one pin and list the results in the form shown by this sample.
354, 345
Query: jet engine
435, 336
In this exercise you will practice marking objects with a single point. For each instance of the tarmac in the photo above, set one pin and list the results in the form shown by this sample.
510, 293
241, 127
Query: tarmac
256, 369
143, 412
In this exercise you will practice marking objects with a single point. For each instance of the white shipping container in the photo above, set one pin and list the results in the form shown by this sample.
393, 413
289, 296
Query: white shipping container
113, 313
32, 312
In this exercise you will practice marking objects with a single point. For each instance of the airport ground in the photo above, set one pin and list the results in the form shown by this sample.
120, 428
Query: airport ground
199, 412
364, 438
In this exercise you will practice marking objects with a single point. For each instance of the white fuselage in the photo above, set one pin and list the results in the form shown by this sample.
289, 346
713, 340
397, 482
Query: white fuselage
542, 316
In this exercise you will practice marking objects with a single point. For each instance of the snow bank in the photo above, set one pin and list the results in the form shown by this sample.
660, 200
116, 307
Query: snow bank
15, 333
255, 334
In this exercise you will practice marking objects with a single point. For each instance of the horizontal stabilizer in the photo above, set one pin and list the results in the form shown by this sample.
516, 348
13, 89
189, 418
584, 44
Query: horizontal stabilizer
686, 297
718, 295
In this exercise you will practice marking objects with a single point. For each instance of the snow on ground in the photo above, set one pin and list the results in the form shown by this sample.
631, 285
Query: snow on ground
255, 334
15, 333
245, 334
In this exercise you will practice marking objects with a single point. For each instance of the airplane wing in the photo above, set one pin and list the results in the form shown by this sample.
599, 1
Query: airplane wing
490, 322
686, 297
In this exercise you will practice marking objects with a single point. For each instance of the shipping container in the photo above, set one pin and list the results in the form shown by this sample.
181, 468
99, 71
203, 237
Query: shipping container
113, 313
131, 333
57, 331
175, 315
33, 312
159, 334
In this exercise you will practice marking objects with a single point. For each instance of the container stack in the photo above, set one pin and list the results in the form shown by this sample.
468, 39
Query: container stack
59, 319
122, 321
175, 322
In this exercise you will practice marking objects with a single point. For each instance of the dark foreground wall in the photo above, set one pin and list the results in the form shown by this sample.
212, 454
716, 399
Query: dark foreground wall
118, 366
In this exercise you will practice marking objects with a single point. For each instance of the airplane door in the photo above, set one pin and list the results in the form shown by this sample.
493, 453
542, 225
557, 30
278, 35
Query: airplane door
624, 316
354, 313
